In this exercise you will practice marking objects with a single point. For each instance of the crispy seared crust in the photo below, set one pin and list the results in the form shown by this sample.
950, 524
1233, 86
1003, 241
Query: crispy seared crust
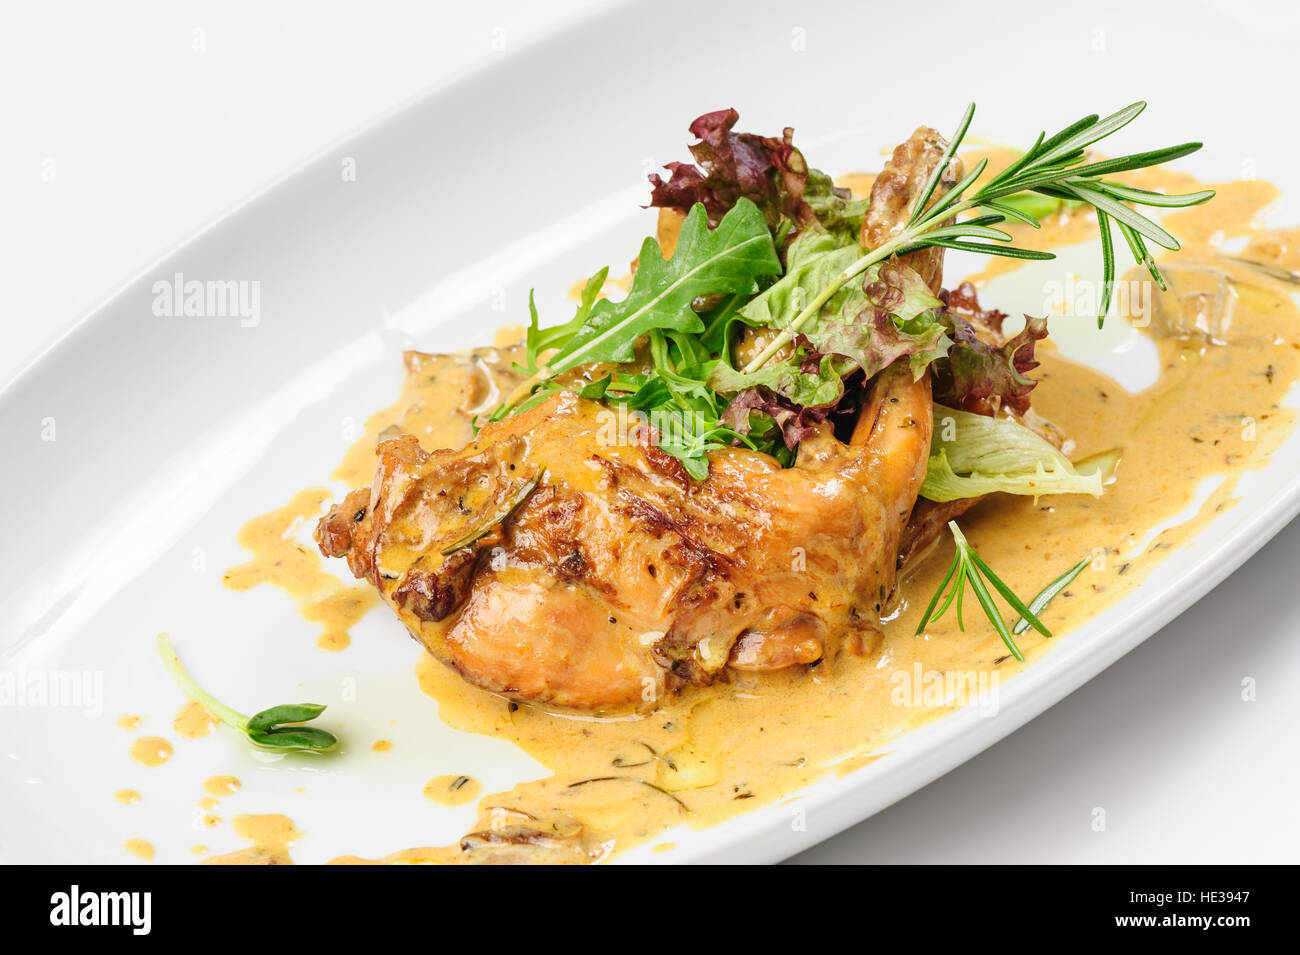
620, 578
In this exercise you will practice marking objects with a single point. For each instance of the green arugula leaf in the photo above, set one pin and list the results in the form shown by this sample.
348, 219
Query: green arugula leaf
718, 323
539, 340
691, 439
726, 260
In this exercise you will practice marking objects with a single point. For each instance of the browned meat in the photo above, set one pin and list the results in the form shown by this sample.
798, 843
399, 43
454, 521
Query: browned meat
898, 188
929, 518
618, 577
555, 560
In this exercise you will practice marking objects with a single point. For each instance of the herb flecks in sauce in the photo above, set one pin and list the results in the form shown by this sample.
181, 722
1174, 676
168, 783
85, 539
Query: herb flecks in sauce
453, 790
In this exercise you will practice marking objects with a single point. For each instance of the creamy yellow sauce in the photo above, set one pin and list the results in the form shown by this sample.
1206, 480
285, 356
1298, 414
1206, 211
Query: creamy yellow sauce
620, 284
440, 398
192, 721
140, 849
463, 386
126, 796
270, 836
220, 786
129, 721
281, 561
452, 790
151, 750
714, 752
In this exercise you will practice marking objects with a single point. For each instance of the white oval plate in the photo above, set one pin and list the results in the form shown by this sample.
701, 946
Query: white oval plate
139, 443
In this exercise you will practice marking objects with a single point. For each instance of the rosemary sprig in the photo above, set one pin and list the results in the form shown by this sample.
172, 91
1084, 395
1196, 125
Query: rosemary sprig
270, 728
632, 779
969, 568
502, 514
1053, 167
1045, 596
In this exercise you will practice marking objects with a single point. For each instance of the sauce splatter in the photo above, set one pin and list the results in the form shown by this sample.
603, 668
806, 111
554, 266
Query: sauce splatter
151, 750
140, 848
221, 786
282, 561
271, 836
452, 790
193, 721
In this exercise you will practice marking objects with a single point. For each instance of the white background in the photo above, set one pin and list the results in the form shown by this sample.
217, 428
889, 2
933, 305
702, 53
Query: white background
127, 126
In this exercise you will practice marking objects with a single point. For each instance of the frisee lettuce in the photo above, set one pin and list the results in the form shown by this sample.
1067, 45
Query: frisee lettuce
890, 314
971, 455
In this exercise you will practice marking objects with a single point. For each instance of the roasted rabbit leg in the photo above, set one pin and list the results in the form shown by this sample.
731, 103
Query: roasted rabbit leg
561, 559
549, 563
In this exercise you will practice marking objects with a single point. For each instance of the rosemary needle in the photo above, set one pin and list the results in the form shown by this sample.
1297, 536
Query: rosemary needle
969, 568
1054, 167
1045, 596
